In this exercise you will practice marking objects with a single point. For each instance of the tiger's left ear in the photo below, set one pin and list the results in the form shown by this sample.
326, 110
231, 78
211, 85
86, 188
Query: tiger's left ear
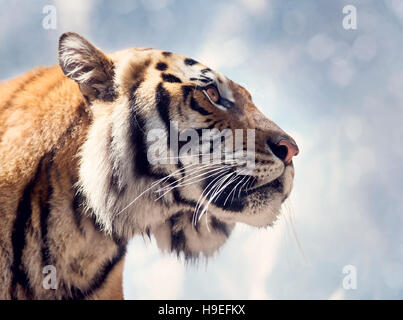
88, 66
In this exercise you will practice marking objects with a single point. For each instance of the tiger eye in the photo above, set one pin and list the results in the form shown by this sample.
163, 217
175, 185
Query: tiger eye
213, 94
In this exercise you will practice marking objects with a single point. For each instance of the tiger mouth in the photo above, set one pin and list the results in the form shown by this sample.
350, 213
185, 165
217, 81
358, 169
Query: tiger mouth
274, 184
234, 196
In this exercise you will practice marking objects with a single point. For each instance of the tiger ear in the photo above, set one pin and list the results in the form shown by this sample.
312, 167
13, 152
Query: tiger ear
88, 66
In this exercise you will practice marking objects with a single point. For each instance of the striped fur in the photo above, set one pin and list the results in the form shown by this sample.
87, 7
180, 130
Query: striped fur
73, 157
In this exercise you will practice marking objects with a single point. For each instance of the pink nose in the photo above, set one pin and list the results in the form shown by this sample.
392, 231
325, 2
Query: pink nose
292, 149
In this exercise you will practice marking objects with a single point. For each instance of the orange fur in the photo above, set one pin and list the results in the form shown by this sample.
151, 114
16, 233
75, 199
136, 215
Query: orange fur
44, 112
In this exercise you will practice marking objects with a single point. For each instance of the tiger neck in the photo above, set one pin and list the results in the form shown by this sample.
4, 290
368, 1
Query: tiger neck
90, 260
53, 224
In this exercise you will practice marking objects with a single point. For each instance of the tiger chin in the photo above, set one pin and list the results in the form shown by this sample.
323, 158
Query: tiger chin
77, 183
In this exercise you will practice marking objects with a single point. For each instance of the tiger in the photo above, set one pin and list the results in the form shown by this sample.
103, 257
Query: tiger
76, 182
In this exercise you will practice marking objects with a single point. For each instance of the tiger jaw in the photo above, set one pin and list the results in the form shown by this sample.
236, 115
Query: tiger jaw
258, 206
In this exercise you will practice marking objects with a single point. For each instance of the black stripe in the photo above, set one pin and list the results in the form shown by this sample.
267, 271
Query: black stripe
162, 66
44, 214
148, 232
180, 166
180, 200
138, 139
211, 126
226, 103
167, 77
204, 80
76, 204
137, 135
115, 185
190, 62
204, 71
178, 239
163, 101
196, 107
190, 216
137, 124
219, 226
115, 182
186, 90
98, 280
166, 53
18, 240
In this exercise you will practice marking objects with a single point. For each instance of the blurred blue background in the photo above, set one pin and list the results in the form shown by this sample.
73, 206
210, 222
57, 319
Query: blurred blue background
338, 92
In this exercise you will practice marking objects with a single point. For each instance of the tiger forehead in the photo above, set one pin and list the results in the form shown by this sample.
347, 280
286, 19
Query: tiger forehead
193, 71
189, 68
163, 66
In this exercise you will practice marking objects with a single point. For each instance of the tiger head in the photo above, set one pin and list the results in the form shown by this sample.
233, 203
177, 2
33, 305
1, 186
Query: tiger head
134, 174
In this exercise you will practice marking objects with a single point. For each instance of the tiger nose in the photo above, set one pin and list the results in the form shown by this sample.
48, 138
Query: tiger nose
285, 149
